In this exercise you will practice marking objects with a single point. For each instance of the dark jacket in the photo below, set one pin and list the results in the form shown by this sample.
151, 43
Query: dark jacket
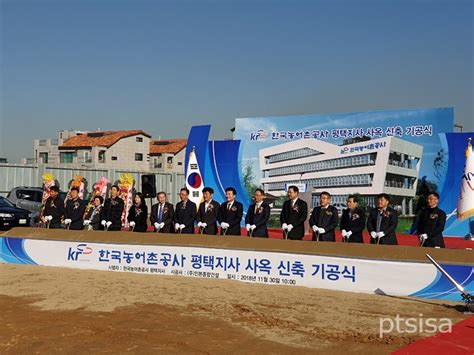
260, 218
431, 221
94, 217
233, 217
295, 216
186, 214
54, 208
167, 217
353, 221
388, 225
139, 215
324, 218
210, 217
112, 211
75, 212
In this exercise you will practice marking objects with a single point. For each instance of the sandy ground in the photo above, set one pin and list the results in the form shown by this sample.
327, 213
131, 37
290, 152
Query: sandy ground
59, 310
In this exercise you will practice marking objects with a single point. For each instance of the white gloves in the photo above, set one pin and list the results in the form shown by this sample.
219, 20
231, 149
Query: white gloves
176, 226
103, 222
381, 234
159, 226
132, 224
108, 224
373, 234
48, 218
86, 222
289, 227
423, 236
284, 226
67, 221
344, 233
247, 226
225, 225
348, 234
319, 230
202, 225
181, 226
252, 227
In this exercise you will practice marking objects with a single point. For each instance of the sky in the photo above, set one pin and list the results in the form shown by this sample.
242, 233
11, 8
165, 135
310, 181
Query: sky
163, 66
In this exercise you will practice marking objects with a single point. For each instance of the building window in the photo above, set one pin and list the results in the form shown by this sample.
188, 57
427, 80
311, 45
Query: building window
138, 157
101, 156
87, 157
139, 139
43, 158
66, 158
113, 158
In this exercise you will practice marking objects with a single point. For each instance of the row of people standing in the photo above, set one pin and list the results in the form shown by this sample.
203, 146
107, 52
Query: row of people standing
381, 222
208, 216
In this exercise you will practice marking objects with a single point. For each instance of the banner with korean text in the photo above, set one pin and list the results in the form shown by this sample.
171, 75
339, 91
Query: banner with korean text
272, 268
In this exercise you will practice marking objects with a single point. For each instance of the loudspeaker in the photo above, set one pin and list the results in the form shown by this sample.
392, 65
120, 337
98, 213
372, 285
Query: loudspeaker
148, 185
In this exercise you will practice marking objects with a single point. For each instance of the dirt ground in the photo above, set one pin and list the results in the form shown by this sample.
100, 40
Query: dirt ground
53, 310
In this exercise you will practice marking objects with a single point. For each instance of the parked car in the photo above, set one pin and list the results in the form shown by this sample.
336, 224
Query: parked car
30, 199
11, 216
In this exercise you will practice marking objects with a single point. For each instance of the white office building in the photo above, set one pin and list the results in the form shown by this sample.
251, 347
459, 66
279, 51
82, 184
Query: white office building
367, 167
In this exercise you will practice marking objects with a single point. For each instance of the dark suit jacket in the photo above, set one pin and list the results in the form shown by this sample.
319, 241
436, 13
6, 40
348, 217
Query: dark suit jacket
75, 212
54, 208
355, 222
260, 219
326, 219
431, 221
388, 226
167, 217
210, 217
233, 217
112, 212
295, 216
139, 215
186, 215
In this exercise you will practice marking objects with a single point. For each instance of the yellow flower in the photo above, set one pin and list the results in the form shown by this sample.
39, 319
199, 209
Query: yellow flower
48, 177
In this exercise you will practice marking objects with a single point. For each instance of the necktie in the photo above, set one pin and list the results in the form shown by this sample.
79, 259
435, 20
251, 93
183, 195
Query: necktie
160, 213
229, 204
379, 221
256, 208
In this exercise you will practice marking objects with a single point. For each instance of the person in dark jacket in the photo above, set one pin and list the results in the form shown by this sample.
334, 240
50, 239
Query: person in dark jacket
138, 214
382, 222
430, 223
352, 221
323, 220
257, 216
112, 210
185, 213
53, 210
293, 215
231, 213
208, 213
74, 211
92, 216
162, 214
